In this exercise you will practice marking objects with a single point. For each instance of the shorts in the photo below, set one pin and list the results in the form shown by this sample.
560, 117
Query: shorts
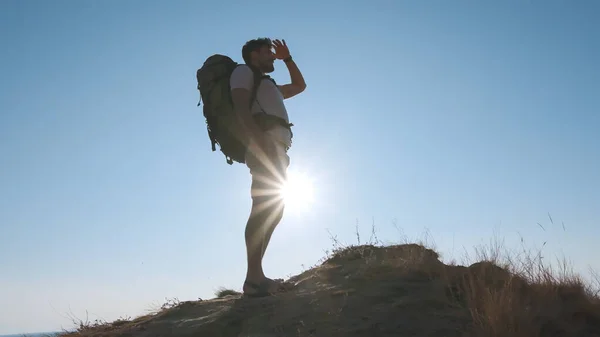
269, 174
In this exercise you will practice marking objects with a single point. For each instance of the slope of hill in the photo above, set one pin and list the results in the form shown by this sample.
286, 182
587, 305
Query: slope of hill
398, 290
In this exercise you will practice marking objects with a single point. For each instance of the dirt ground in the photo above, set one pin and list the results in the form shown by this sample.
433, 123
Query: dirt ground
401, 290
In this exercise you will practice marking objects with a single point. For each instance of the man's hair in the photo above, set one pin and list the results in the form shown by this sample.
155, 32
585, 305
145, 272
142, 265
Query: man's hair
253, 45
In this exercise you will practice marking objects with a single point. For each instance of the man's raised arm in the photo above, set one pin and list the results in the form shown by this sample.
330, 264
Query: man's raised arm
298, 85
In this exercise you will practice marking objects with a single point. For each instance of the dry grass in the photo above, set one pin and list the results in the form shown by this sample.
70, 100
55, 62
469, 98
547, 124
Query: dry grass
224, 292
85, 327
515, 293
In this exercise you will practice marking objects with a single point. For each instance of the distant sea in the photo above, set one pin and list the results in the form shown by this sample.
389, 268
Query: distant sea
41, 334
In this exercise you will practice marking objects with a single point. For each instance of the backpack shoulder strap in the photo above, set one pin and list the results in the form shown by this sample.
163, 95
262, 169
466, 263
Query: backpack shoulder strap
257, 80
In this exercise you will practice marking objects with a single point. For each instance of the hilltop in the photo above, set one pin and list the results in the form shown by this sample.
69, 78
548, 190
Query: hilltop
396, 290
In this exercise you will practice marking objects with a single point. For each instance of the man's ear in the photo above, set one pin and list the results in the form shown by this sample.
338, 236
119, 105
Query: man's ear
253, 55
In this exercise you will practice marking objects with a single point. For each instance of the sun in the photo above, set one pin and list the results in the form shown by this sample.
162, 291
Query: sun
298, 191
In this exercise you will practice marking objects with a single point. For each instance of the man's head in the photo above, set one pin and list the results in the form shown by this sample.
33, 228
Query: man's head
259, 53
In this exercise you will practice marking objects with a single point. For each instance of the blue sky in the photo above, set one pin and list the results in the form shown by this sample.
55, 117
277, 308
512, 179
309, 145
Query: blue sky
463, 119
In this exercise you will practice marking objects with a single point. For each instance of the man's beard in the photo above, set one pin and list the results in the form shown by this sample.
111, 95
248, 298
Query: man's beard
268, 67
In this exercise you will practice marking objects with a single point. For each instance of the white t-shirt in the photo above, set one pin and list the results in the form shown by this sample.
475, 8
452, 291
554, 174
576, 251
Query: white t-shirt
269, 99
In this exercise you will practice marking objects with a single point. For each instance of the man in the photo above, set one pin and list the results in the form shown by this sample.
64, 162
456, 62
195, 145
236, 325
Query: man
268, 137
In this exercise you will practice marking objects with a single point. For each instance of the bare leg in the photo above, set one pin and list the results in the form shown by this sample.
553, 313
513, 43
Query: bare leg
264, 217
266, 213
276, 200
254, 244
277, 214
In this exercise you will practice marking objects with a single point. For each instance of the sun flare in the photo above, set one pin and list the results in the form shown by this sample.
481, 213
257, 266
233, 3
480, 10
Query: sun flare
298, 192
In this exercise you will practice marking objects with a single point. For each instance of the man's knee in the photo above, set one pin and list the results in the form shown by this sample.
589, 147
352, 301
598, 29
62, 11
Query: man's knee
267, 208
267, 203
266, 188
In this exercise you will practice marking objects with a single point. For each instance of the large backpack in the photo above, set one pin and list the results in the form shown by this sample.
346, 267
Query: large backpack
222, 124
